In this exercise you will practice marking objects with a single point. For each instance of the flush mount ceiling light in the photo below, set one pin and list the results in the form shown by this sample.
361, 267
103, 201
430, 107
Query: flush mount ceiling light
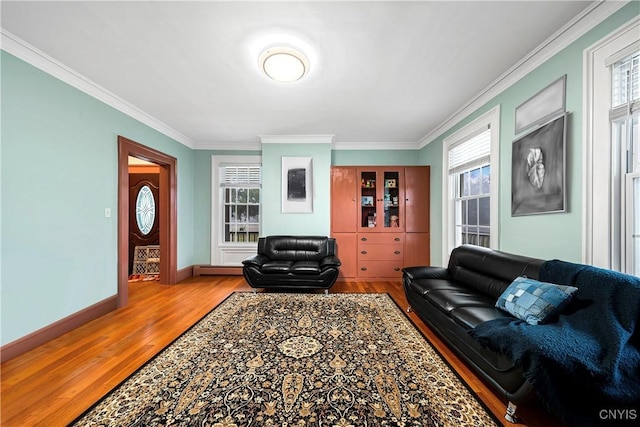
284, 64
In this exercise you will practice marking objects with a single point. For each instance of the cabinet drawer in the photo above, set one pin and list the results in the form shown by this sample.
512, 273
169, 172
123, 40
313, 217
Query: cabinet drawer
380, 269
380, 252
381, 238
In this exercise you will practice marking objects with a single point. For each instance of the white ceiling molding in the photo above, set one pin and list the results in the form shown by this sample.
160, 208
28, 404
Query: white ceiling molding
226, 146
296, 139
35, 57
376, 146
572, 31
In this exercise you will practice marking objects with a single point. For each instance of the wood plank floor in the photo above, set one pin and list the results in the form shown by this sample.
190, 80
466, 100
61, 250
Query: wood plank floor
56, 382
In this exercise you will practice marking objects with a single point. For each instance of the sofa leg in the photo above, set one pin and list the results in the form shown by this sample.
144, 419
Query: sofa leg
409, 309
511, 413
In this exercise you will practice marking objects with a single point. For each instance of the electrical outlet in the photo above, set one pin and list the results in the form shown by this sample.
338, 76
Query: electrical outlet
107, 212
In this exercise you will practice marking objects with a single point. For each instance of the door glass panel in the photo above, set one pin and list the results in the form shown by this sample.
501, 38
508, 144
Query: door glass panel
391, 199
145, 210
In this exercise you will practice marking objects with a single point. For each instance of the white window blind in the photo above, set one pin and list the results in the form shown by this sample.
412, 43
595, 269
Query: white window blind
625, 83
250, 176
471, 153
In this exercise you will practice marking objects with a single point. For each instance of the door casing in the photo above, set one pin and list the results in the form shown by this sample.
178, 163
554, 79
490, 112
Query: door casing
167, 212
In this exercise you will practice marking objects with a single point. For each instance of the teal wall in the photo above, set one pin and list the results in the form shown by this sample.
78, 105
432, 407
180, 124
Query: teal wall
202, 201
59, 173
276, 222
557, 235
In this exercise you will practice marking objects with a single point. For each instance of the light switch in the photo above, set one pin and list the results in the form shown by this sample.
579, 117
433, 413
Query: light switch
107, 212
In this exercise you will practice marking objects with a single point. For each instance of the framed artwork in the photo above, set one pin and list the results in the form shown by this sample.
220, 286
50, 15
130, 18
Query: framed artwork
541, 107
538, 162
297, 185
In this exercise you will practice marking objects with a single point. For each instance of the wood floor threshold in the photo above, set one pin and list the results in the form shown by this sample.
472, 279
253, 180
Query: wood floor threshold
54, 383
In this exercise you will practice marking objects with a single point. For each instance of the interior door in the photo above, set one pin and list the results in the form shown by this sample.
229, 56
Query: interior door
144, 203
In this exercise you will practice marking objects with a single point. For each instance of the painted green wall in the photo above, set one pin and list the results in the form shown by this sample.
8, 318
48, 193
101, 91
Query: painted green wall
202, 200
546, 236
59, 173
274, 221
375, 158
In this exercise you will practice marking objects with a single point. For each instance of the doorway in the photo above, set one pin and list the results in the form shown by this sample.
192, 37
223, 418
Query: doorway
167, 213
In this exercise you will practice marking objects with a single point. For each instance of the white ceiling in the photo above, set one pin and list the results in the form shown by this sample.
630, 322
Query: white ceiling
381, 71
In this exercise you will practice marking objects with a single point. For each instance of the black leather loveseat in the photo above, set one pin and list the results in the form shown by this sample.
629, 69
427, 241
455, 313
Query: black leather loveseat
454, 300
293, 262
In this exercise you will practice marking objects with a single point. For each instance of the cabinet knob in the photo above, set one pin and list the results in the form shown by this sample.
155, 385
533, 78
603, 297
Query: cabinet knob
397, 269
364, 239
363, 268
397, 252
397, 239
364, 252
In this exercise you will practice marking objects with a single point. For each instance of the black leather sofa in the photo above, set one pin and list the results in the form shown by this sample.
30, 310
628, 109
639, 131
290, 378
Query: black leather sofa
454, 300
293, 262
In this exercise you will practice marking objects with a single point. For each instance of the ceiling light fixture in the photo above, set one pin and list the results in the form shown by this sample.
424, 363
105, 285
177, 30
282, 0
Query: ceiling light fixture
284, 64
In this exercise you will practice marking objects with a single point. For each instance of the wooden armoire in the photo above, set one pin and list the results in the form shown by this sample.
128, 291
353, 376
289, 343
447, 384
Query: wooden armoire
380, 219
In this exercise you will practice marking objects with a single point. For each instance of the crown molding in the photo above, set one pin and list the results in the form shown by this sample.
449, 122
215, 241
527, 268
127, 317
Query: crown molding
376, 146
296, 139
35, 57
229, 146
573, 30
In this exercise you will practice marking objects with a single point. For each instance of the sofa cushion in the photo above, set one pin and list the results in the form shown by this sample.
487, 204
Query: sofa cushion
276, 267
305, 267
424, 286
449, 299
296, 248
470, 316
533, 301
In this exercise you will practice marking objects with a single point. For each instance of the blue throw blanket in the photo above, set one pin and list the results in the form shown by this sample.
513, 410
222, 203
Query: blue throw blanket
588, 361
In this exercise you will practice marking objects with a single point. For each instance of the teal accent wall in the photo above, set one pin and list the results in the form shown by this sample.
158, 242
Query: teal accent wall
59, 173
375, 158
547, 236
203, 200
274, 221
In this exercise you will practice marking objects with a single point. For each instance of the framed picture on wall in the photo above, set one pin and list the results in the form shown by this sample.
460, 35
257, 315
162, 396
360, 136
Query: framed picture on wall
538, 162
297, 185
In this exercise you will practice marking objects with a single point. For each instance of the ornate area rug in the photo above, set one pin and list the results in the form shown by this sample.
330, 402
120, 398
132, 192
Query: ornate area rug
344, 360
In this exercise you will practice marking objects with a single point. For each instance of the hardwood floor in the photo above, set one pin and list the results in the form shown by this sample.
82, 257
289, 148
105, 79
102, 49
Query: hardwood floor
56, 382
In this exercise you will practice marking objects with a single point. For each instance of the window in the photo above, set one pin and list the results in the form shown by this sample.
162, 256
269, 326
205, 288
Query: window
470, 157
612, 151
625, 192
470, 175
236, 210
240, 188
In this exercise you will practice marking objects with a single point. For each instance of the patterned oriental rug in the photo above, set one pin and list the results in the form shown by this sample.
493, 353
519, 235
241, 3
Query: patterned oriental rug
271, 359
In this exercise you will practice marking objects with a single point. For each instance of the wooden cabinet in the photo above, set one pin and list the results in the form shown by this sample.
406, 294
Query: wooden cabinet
380, 219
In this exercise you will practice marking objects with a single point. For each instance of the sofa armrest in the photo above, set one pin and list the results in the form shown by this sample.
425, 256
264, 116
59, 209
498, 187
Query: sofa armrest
414, 273
330, 261
256, 260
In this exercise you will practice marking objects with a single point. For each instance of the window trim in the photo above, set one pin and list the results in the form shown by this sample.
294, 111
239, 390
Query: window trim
492, 119
227, 253
596, 176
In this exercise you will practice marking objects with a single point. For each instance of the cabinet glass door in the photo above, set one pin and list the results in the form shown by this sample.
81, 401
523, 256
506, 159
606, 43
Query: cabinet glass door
368, 200
391, 198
